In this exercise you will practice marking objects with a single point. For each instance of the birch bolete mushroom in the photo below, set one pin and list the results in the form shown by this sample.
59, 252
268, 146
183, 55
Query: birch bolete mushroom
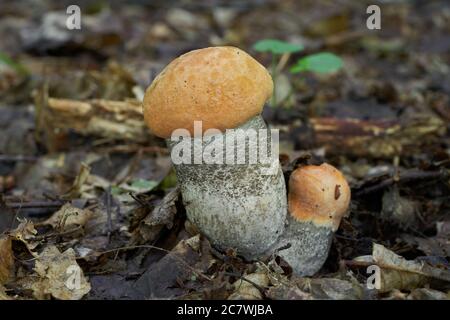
319, 197
194, 103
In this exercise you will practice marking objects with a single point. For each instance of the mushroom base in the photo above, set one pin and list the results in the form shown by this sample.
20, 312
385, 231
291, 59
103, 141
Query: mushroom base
309, 246
235, 205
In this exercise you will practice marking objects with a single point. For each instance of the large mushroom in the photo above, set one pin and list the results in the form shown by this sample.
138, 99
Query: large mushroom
193, 103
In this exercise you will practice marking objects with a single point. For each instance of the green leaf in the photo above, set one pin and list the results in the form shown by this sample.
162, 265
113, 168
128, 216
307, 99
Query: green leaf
276, 46
142, 184
115, 190
12, 64
323, 62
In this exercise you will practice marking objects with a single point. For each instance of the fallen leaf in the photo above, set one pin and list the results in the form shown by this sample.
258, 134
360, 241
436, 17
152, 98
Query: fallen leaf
289, 291
25, 233
3, 295
399, 273
427, 294
249, 289
58, 275
331, 288
68, 218
6, 260
163, 278
161, 216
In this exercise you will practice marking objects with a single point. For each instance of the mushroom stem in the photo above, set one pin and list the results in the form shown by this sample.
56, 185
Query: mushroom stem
307, 246
235, 205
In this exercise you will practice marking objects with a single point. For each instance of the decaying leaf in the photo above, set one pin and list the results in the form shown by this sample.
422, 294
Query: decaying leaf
288, 291
250, 287
68, 218
161, 216
6, 260
25, 233
427, 294
3, 295
58, 275
162, 279
402, 274
331, 288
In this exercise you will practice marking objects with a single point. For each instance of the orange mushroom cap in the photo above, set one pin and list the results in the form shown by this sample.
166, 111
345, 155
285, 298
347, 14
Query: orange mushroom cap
223, 87
319, 194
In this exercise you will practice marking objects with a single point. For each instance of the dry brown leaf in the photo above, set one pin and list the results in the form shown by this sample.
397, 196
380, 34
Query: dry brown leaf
6, 260
161, 216
398, 273
68, 218
183, 262
249, 289
58, 275
26, 234
331, 288
3, 295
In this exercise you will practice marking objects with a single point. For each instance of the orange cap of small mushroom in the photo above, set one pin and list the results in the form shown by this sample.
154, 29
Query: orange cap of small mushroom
319, 194
223, 87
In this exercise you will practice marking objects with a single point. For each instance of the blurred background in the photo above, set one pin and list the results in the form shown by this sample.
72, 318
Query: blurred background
71, 128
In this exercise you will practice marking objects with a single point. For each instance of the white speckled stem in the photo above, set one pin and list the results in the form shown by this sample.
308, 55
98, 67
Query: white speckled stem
309, 246
235, 205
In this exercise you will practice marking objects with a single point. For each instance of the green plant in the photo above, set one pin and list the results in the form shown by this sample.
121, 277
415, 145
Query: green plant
322, 62
277, 49
17, 67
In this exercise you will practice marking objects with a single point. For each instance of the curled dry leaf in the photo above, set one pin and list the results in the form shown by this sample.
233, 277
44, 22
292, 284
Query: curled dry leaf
3, 295
25, 233
58, 275
398, 273
161, 216
68, 218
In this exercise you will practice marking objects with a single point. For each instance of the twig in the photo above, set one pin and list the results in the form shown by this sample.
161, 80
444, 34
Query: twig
34, 204
407, 176
108, 211
16, 158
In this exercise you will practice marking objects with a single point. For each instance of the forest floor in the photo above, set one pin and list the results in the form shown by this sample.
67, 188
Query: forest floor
89, 197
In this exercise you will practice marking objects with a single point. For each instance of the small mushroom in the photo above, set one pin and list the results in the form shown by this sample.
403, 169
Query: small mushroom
236, 205
319, 197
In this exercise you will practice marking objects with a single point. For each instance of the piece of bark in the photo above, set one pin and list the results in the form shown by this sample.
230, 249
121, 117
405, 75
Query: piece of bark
376, 138
105, 119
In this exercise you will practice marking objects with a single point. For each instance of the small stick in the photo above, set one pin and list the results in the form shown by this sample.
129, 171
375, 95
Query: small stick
34, 204
16, 158
407, 176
